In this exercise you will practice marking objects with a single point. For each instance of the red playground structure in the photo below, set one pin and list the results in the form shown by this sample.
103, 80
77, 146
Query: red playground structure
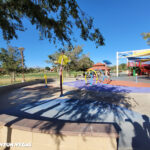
139, 67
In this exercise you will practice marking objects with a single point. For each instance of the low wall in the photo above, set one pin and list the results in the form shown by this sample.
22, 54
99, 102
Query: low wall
57, 135
40, 141
7, 88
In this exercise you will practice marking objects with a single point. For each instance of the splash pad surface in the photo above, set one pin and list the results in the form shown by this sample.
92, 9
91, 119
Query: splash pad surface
113, 86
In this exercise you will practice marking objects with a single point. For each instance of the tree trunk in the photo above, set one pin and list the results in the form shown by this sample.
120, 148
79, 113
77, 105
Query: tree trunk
13, 76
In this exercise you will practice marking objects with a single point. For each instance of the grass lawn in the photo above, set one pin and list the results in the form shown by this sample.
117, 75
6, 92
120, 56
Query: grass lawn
6, 80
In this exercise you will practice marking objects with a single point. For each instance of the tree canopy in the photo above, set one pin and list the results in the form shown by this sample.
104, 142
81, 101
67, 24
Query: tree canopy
146, 36
10, 60
122, 67
85, 63
47, 68
54, 19
78, 61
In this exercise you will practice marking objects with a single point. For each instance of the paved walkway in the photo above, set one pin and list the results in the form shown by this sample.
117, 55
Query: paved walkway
142, 79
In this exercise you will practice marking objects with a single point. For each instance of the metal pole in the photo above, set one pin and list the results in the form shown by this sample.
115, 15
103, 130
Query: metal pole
127, 67
117, 62
136, 77
61, 69
61, 88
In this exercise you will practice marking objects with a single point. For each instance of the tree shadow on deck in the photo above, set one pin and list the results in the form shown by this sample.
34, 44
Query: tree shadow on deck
111, 95
77, 106
26, 95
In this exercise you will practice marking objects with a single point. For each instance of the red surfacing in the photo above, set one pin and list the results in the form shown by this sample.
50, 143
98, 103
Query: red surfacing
129, 83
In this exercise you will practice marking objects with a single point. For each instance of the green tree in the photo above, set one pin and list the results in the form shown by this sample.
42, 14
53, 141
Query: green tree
113, 68
47, 68
146, 36
53, 18
74, 56
78, 61
52, 60
72, 53
123, 66
85, 62
10, 61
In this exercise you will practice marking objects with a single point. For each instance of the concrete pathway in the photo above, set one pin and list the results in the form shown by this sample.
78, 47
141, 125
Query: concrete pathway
143, 79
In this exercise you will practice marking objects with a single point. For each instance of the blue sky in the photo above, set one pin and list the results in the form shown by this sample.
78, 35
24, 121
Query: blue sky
121, 22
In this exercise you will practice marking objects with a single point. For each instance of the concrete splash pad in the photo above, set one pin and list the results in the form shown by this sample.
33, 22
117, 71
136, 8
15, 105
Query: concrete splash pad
100, 87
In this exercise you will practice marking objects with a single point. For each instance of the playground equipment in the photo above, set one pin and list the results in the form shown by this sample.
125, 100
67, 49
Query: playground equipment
45, 77
92, 74
96, 76
139, 66
62, 60
137, 61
